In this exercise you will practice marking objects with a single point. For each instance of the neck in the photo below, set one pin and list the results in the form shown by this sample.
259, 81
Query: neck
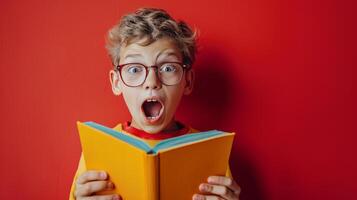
171, 127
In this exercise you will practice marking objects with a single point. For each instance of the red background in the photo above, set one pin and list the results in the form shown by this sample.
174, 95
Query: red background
279, 73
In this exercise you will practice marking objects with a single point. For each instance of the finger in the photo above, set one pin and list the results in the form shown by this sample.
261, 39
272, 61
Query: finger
101, 197
226, 181
92, 176
220, 190
91, 187
206, 197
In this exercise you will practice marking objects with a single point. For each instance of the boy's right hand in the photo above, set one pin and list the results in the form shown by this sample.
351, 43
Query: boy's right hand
91, 182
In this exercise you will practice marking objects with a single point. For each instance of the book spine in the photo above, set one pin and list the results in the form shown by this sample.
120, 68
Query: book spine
152, 177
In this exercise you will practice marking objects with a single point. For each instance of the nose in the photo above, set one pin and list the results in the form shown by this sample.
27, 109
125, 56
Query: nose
152, 80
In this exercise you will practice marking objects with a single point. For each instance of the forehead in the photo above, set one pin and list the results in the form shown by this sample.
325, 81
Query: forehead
162, 48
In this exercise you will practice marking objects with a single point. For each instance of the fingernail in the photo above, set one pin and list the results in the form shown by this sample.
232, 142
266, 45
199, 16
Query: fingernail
205, 187
116, 197
110, 185
103, 175
210, 179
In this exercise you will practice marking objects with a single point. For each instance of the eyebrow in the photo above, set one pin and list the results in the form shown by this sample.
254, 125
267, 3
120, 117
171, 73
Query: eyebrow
132, 56
167, 54
163, 53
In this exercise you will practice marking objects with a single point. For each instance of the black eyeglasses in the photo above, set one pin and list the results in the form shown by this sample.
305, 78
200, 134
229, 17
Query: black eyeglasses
135, 74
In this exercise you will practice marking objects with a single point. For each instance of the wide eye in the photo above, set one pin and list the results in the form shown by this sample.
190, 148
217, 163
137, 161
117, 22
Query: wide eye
170, 67
133, 69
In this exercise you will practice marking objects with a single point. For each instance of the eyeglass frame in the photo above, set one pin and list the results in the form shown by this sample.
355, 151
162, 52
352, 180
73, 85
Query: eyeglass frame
118, 68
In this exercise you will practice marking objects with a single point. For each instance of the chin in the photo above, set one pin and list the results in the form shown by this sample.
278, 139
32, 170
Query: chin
152, 128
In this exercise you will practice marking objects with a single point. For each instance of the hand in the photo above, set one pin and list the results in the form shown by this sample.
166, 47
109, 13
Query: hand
93, 181
218, 188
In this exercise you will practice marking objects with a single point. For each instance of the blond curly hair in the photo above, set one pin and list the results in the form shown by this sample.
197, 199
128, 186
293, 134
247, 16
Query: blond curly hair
151, 24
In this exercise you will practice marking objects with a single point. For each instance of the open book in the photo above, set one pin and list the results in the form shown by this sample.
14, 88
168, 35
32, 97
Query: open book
172, 170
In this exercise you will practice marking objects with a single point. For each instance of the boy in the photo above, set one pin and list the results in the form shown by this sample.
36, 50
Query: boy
152, 56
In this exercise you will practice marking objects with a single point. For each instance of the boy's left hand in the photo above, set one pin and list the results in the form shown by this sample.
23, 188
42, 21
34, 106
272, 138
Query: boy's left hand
217, 188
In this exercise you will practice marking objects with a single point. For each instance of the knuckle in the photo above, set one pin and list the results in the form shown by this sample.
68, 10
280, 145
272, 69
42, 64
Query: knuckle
224, 191
79, 180
229, 182
221, 179
87, 189
82, 178
238, 191
78, 192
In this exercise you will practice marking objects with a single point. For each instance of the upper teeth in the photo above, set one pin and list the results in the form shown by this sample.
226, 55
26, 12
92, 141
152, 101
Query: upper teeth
149, 100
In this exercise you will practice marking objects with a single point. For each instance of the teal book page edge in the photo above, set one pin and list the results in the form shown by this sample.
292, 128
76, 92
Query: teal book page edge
130, 140
165, 144
171, 142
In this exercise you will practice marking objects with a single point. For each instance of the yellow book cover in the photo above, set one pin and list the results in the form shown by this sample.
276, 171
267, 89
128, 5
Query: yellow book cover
172, 170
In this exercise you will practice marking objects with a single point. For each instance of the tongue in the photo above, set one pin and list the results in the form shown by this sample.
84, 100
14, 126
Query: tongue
152, 109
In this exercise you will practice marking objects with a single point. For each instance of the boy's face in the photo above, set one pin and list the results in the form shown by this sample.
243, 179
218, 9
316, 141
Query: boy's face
152, 105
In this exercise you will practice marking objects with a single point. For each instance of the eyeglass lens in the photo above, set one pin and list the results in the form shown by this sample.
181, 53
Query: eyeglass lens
135, 74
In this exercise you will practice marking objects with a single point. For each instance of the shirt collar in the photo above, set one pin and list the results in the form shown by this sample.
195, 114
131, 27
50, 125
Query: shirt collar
155, 136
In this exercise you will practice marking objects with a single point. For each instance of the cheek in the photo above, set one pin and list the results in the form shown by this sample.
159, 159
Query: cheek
130, 97
174, 95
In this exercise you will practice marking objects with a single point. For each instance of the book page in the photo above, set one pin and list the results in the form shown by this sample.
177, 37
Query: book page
183, 169
129, 168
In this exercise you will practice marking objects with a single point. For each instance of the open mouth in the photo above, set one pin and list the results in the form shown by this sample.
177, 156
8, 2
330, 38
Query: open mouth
152, 109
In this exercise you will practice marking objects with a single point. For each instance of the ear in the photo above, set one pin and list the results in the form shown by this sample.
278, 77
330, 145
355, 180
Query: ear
190, 80
115, 82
